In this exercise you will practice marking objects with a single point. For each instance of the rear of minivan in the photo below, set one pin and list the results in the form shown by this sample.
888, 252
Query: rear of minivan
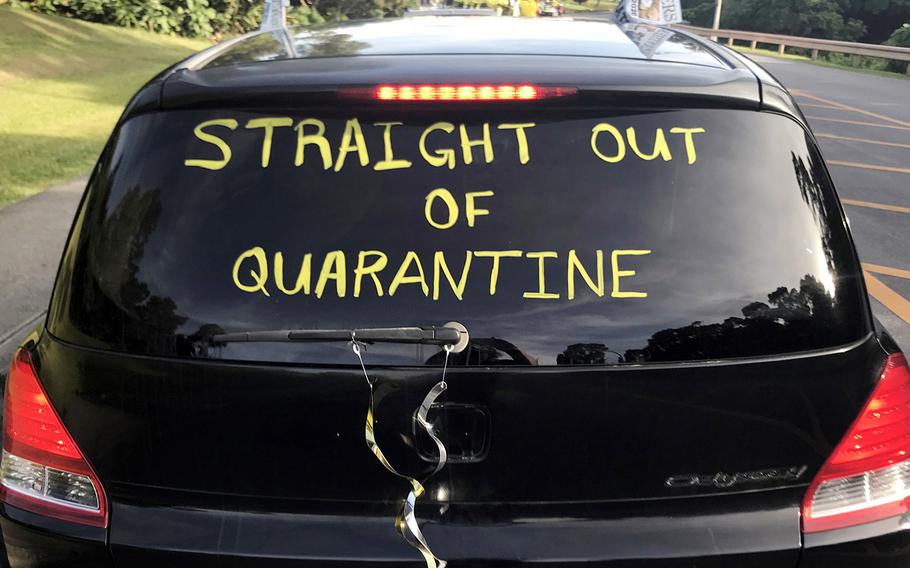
671, 362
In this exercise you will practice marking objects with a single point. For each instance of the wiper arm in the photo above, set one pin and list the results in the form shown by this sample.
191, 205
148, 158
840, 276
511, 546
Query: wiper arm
444, 335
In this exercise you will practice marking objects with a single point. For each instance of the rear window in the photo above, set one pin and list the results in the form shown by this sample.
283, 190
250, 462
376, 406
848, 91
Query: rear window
574, 238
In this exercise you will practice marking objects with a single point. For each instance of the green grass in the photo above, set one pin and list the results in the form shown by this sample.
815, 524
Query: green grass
773, 53
63, 83
590, 5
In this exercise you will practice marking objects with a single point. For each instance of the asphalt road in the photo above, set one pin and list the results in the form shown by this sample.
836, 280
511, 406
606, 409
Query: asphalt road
32, 235
862, 122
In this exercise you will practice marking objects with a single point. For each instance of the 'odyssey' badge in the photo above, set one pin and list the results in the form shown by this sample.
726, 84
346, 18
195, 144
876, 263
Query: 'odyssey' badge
724, 480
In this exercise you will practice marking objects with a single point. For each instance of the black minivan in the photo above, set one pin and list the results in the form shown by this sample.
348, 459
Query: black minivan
588, 286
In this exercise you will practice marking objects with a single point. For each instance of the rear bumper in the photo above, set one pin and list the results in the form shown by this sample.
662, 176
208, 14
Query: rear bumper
469, 535
154, 537
32, 541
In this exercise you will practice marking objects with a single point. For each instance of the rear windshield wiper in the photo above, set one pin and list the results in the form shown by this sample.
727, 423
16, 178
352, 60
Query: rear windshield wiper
444, 335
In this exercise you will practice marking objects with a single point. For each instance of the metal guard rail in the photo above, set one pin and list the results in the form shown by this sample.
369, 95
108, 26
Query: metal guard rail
816, 45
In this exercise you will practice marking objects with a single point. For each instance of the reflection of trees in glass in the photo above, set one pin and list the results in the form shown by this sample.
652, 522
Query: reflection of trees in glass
118, 299
327, 43
307, 43
791, 319
586, 354
486, 351
199, 343
811, 190
263, 47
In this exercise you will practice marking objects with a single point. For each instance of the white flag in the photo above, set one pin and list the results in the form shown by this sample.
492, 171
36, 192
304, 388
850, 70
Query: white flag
273, 14
649, 11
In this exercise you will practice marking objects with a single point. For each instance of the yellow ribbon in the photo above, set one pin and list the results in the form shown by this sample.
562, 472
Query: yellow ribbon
406, 520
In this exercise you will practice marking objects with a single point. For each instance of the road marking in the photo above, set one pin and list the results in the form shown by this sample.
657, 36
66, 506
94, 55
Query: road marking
887, 270
872, 205
899, 305
863, 166
853, 109
814, 105
15, 333
863, 140
858, 122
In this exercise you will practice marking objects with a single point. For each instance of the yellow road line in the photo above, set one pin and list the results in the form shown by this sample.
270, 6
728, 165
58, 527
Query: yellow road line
853, 109
899, 305
814, 105
873, 205
858, 122
889, 270
863, 140
863, 166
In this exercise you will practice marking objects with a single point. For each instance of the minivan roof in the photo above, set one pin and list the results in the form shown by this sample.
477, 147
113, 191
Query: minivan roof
465, 35
286, 66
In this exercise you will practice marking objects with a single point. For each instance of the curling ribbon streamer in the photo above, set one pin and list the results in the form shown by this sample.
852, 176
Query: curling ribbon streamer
406, 521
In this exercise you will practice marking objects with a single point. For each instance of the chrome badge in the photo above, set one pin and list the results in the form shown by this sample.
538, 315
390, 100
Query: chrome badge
723, 480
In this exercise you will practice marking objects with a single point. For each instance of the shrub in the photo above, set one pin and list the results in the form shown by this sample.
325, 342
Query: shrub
192, 18
900, 38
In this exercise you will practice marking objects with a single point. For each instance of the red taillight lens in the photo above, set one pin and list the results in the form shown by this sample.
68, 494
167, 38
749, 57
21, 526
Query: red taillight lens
42, 470
867, 478
463, 93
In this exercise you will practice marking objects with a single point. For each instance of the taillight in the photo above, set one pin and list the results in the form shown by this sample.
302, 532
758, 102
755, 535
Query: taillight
42, 470
456, 93
867, 478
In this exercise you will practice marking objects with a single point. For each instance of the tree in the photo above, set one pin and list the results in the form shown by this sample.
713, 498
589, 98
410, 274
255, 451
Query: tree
810, 18
699, 12
901, 38
335, 10
879, 16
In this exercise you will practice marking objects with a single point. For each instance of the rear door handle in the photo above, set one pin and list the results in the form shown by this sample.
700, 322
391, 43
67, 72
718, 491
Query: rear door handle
463, 428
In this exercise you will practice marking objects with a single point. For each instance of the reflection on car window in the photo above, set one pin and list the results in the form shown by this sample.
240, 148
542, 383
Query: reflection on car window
429, 36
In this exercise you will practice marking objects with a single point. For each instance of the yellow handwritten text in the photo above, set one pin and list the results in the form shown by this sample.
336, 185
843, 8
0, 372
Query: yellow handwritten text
251, 274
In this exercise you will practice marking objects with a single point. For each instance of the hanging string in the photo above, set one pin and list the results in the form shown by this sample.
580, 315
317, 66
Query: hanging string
406, 520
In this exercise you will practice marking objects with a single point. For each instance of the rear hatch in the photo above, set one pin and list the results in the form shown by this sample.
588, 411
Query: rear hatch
668, 331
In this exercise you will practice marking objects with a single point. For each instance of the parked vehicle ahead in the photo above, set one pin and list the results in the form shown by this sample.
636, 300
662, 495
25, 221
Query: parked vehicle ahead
619, 245
549, 8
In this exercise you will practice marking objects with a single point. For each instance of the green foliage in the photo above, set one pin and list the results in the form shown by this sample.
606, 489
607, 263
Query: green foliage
880, 16
901, 38
699, 12
191, 18
335, 10
808, 18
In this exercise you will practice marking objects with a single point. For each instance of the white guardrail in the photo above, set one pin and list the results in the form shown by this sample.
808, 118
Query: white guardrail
815, 45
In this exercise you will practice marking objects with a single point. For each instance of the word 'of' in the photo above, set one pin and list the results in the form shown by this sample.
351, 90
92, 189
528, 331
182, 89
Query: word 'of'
251, 273
608, 143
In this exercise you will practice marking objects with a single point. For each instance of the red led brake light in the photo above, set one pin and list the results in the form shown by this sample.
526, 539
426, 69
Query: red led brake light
458, 93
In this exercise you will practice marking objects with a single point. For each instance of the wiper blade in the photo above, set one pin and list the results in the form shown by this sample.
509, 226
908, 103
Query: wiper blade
444, 335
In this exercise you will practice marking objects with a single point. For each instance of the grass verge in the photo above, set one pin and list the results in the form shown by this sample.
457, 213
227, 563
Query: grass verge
63, 83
